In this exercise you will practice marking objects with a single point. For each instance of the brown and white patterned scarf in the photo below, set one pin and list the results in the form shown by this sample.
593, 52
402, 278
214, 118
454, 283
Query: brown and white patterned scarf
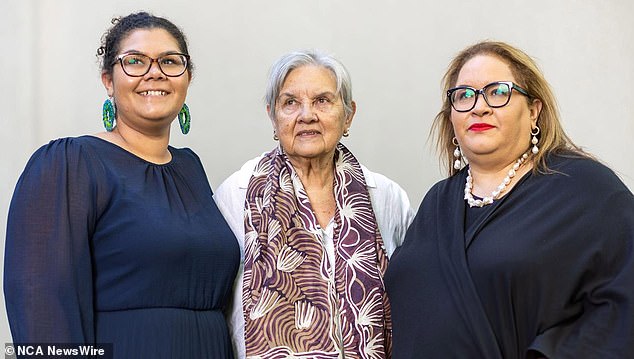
293, 306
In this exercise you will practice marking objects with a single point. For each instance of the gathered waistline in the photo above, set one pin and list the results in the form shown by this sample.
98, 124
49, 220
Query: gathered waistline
156, 308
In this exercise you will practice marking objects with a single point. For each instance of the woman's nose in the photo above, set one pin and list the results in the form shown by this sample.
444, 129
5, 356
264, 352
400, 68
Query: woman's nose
481, 107
307, 112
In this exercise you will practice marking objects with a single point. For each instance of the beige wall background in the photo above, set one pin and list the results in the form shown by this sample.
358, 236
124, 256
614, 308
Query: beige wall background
396, 52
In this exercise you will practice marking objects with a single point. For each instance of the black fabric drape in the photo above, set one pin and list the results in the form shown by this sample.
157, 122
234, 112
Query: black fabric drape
549, 267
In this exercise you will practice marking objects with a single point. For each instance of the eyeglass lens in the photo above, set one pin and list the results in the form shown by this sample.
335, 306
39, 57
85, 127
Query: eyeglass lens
495, 95
139, 65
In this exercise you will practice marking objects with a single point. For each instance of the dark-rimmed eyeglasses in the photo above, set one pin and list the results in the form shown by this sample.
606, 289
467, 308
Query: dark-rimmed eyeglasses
137, 64
496, 94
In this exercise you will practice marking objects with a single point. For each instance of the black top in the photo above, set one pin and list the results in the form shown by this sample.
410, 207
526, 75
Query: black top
548, 267
103, 246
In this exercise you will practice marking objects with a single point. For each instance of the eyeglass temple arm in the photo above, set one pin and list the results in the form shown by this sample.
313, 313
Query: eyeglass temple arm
521, 90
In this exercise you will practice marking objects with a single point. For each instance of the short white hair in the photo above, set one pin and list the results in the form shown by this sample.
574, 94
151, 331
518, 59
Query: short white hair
289, 62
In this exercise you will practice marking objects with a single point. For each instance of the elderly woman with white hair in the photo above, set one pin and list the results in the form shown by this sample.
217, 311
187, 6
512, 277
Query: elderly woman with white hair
316, 228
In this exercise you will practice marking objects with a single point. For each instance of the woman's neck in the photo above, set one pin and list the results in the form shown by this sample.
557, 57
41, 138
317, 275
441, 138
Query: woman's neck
487, 178
314, 172
150, 147
318, 178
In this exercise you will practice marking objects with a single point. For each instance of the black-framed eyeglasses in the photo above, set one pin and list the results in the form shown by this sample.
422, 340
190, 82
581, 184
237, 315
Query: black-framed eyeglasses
136, 64
496, 94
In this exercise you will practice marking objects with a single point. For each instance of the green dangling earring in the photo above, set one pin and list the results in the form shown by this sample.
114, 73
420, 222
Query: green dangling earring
109, 112
184, 119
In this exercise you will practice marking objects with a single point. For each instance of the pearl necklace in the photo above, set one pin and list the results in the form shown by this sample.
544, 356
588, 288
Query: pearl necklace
468, 187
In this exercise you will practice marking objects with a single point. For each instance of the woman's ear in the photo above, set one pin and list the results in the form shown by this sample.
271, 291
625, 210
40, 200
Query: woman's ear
268, 112
106, 79
535, 109
351, 115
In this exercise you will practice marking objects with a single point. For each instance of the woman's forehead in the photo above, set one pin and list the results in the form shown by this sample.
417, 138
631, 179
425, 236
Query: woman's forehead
483, 69
309, 77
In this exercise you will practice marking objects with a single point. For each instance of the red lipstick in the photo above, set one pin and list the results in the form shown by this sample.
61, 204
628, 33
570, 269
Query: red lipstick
480, 127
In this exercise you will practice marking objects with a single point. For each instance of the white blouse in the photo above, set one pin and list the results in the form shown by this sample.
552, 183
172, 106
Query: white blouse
389, 202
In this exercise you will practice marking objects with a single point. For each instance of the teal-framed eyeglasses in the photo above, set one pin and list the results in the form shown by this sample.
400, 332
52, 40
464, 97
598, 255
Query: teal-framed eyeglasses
137, 64
496, 94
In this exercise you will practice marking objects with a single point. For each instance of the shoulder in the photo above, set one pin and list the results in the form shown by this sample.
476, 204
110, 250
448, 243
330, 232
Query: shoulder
241, 177
63, 151
231, 193
583, 174
447, 187
66, 163
384, 192
379, 182
391, 207
68, 144
185, 155
184, 151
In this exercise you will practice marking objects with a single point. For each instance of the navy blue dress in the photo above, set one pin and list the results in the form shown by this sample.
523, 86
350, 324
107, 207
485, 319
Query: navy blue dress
105, 247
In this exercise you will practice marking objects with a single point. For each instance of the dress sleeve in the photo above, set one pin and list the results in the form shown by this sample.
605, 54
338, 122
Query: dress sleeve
48, 282
605, 328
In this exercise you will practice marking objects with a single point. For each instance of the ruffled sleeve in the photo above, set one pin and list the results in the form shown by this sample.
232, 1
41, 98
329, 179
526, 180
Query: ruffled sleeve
48, 281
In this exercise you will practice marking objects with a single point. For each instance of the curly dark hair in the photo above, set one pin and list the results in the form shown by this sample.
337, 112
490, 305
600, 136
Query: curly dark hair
123, 26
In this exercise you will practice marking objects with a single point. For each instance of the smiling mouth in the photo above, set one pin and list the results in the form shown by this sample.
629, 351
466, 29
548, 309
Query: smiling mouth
153, 93
307, 133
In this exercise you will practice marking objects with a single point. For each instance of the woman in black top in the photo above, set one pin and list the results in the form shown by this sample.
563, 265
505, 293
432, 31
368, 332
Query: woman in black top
526, 249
